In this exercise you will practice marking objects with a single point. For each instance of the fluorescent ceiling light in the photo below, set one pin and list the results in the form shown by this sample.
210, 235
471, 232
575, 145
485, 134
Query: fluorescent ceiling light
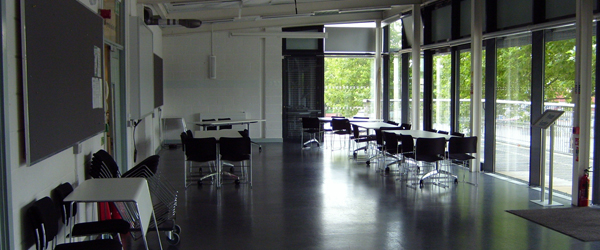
353, 25
307, 35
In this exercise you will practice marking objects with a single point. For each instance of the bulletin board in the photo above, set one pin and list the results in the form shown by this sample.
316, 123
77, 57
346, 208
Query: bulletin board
62, 43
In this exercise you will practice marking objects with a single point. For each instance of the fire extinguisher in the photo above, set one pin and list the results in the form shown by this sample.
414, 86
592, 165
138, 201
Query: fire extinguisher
584, 189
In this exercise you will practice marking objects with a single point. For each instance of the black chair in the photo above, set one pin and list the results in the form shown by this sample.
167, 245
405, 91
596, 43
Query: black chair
431, 150
44, 220
430, 130
189, 133
358, 138
237, 149
200, 150
311, 126
225, 126
405, 126
443, 132
392, 122
341, 127
380, 144
104, 166
111, 227
209, 127
392, 147
460, 150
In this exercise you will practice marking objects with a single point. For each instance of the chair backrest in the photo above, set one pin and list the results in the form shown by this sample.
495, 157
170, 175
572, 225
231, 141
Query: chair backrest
225, 126
104, 166
407, 143
391, 142
339, 124
184, 137
355, 131
462, 145
405, 126
310, 123
210, 127
379, 134
201, 149
392, 122
443, 132
44, 219
189, 133
59, 194
360, 117
150, 164
235, 148
458, 134
430, 130
431, 146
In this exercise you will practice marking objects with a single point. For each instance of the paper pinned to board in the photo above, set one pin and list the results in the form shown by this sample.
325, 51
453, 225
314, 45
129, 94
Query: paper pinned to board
97, 62
96, 93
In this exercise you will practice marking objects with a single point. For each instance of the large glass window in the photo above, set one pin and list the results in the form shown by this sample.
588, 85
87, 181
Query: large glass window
395, 88
464, 102
442, 75
559, 81
349, 86
513, 106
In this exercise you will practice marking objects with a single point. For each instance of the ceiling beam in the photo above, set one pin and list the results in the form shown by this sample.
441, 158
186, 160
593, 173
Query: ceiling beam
280, 22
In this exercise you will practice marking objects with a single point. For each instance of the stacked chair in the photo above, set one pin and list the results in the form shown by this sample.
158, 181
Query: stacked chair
164, 196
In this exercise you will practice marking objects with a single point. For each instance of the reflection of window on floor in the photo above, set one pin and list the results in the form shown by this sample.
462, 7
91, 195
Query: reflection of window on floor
348, 86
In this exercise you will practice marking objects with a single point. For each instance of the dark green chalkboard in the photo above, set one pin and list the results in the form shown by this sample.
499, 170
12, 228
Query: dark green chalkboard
61, 41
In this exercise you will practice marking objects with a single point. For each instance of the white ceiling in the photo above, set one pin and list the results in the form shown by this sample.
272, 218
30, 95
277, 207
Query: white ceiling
243, 14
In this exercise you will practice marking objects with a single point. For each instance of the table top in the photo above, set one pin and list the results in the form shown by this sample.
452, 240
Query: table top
421, 134
328, 119
109, 189
228, 122
217, 134
373, 125
116, 190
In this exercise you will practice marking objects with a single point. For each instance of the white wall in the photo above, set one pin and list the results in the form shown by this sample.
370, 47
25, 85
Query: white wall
248, 79
29, 183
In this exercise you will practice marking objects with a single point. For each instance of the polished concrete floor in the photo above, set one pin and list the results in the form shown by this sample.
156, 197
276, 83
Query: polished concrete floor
324, 199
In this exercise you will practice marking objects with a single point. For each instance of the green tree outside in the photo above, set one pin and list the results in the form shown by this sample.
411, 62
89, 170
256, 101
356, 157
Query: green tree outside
347, 85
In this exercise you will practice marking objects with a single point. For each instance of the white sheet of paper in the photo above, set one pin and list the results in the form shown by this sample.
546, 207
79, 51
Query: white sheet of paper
96, 93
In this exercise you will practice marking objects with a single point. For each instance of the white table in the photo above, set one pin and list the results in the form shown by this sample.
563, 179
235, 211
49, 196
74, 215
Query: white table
217, 134
230, 122
133, 190
421, 134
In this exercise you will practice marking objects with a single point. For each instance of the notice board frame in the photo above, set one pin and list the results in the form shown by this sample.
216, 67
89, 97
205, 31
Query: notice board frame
62, 48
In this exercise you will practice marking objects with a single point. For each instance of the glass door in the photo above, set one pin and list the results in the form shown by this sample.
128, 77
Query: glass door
513, 107
302, 92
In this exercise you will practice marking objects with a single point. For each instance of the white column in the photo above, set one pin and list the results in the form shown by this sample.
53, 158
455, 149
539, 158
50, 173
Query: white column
477, 79
582, 93
378, 82
416, 67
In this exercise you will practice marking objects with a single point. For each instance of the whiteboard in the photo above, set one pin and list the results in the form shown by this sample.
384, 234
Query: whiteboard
142, 69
